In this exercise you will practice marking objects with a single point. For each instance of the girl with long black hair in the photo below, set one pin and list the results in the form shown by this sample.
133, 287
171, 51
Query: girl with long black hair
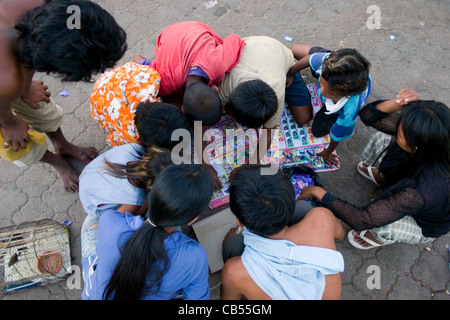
144, 257
413, 172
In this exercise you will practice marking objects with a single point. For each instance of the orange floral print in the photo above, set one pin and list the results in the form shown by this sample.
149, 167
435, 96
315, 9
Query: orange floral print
117, 94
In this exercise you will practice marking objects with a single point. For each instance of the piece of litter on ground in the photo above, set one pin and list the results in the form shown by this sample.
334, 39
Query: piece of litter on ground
64, 93
287, 38
210, 4
392, 37
67, 222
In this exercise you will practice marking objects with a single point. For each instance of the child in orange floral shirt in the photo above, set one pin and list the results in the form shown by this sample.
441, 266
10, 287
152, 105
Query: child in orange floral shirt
117, 94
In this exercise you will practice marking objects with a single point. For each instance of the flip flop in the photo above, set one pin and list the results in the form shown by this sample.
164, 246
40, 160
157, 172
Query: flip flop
369, 174
353, 242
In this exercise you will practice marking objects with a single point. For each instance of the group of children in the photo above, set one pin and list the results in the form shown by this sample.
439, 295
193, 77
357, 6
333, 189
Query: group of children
136, 198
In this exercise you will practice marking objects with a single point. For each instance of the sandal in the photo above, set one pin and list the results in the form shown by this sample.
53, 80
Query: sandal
353, 242
369, 175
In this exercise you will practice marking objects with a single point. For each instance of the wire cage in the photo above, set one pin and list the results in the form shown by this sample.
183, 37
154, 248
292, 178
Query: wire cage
33, 253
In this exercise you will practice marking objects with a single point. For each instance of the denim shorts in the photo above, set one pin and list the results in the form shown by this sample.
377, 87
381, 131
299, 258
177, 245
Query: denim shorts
89, 232
298, 94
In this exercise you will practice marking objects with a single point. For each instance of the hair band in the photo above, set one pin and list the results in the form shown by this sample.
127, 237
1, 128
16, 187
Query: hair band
151, 223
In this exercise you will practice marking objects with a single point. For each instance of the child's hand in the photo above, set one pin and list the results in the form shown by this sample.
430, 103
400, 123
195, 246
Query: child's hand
289, 79
329, 158
213, 173
37, 93
15, 133
406, 96
230, 233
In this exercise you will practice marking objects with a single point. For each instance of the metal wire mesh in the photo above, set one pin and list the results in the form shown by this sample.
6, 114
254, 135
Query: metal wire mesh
34, 252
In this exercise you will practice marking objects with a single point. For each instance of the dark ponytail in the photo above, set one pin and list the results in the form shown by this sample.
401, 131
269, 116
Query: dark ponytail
144, 171
179, 195
132, 273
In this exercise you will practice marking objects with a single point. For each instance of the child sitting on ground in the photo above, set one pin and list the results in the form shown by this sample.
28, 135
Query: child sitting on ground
254, 93
279, 261
120, 178
103, 186
115, 98
192, 60
146, 257
344, 86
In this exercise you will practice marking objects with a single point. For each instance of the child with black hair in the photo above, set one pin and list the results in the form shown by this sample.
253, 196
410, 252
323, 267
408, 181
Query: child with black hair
344, 86
145, 257
34, 37
413, 172
275, 251
189, 53
120, 178
102, 182
254, 92
156, 121
47, 44
116, 96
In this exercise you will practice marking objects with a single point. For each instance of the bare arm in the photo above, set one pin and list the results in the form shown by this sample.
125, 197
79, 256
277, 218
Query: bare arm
13, 79
11, 11
138, 58
301, 64
404, 97
229, 289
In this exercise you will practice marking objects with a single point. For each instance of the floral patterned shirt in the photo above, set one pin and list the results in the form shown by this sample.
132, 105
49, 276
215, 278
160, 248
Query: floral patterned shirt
116, 96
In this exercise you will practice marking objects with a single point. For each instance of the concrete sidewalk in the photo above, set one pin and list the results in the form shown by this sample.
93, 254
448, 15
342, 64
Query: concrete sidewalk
410, 49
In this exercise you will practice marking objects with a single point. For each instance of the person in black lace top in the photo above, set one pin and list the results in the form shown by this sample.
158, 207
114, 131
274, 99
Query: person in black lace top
413, 173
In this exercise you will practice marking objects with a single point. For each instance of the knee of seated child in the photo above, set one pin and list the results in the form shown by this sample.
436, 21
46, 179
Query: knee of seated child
302, 114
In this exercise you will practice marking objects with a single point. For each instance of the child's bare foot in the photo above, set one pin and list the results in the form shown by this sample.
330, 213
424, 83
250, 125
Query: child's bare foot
65, 148
68, 176
84, 154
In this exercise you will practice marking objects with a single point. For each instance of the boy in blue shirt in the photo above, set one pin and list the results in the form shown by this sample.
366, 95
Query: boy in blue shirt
344, 86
